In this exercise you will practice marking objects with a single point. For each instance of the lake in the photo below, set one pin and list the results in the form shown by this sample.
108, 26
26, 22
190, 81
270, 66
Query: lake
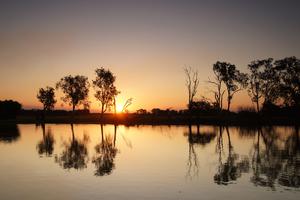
90, 161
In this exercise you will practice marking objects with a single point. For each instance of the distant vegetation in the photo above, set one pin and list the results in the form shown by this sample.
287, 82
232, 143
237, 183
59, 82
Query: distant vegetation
9, 109
273, 86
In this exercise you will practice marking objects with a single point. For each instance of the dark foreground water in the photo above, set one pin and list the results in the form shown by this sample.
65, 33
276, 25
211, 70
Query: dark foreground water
148, 162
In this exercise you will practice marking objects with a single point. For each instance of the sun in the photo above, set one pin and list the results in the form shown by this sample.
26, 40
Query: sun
119, 108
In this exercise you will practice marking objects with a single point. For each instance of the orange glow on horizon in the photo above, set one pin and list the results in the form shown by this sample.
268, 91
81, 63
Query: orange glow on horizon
119, 108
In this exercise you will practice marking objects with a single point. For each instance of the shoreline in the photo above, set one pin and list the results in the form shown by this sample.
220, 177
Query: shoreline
137, 119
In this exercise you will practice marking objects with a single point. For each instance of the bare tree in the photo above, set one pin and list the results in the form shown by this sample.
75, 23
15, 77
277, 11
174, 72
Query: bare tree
127, 104
192, 83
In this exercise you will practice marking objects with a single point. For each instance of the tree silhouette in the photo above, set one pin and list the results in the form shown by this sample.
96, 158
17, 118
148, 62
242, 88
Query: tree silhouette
47, 97
233, 79
219, 93
257, 83
289, 72
192, 83
75, 88
75, 154
263, 82
202, 106
105, 89
9, 109
45, 146
105, 154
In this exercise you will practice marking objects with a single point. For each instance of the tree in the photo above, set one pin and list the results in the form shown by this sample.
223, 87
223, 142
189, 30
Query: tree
192, 83
263, 82
105, 89
289, 84
47, 97
141, 111
75, 88
203, 105
233, 79
256, 82
9, 109
219, 93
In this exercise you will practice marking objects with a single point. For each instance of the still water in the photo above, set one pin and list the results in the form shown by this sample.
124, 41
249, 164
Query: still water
148, 162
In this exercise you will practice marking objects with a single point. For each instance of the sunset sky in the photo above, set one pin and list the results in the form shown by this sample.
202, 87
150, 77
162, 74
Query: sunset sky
145, 44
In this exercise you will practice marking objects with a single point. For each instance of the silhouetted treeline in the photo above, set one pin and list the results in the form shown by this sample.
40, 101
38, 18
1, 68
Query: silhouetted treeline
273, 86
9, 109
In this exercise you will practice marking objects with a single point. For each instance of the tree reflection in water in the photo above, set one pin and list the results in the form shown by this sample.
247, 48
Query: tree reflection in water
75, 154
290, 173
198, 138
45, 146
9, 133
275, 157
105, 153
233, 167
276, 161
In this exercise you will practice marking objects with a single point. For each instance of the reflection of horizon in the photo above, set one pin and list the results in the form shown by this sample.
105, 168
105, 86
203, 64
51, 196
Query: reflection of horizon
75, 153
106, 152
45, 146
9, 133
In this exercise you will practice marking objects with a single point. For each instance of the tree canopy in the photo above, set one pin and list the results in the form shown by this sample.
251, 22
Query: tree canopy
47, 97
75, 89
233, 79
106, 91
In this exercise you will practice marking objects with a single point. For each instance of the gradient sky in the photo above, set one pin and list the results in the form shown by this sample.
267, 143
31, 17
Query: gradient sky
145, 43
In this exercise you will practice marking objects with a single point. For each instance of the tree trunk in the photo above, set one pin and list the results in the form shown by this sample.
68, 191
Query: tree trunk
228, 100
102, 112
43, 114
228, 104
73, 112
